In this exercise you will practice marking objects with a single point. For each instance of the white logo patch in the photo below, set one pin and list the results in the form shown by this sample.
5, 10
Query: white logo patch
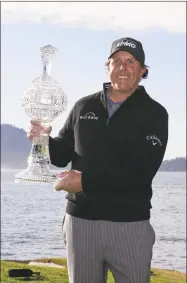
154, 140
90, 116
126, 43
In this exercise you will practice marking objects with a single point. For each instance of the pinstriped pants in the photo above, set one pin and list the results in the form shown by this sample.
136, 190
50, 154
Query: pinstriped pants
93, 247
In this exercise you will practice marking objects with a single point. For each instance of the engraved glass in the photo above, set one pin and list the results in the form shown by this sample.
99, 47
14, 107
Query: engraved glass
44, 100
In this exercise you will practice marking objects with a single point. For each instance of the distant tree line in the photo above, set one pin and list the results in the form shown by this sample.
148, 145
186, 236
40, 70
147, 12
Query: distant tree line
177, 164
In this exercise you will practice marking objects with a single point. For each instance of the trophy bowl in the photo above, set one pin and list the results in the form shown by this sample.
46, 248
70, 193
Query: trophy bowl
44, 100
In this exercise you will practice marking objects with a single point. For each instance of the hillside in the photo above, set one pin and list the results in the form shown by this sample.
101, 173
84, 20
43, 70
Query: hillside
15, 148
177, 164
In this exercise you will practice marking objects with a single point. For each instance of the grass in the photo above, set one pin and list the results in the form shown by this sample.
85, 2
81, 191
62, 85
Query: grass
57, 275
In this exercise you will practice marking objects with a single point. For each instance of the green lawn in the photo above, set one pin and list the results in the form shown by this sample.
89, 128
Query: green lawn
57, 275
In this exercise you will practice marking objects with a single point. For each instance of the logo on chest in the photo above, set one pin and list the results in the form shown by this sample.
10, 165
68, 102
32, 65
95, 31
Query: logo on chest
89, 116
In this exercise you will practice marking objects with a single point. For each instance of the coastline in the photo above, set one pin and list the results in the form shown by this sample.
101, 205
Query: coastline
62, 263
55, 270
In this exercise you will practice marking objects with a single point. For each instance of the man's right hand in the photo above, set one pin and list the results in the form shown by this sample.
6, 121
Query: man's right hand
36, 128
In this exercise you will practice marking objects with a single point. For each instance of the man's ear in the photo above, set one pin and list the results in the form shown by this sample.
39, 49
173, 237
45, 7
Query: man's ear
144, 72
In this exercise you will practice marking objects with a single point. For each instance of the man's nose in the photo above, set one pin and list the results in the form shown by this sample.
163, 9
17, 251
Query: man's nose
122, 67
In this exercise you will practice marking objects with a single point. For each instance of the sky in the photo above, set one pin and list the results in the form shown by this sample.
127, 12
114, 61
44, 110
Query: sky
83, 34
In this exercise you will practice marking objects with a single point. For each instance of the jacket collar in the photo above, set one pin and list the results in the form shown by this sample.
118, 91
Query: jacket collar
139, 93
106, 86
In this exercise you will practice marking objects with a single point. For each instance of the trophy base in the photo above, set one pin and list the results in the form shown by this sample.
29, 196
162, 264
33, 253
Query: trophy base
36, 174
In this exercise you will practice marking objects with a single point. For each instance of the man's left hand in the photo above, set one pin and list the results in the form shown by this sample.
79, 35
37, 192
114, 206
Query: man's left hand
70, 182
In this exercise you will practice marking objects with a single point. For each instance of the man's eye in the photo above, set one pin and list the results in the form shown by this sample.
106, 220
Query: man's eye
130, 61
115, 61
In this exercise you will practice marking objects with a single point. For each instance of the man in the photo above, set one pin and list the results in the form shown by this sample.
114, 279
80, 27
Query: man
116, 140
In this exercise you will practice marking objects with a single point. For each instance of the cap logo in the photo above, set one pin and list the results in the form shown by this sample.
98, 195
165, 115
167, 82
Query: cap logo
126, 43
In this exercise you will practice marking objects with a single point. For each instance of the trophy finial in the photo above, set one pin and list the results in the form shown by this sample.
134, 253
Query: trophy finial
48, 52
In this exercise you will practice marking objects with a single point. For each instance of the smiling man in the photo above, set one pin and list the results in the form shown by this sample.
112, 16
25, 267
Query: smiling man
116, 140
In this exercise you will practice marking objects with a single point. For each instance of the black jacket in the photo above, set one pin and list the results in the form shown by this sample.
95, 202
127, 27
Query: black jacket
118, 159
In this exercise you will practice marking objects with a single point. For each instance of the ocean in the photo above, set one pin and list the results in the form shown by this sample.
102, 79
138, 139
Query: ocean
31, 220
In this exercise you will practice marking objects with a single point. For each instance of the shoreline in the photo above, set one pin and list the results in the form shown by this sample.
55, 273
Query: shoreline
56, 270
61, 263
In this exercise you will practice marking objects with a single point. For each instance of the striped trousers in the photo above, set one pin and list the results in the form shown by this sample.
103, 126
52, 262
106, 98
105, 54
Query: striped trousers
94, 247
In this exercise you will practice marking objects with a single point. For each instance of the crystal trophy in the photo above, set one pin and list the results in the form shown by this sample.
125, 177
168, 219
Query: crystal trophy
44, 100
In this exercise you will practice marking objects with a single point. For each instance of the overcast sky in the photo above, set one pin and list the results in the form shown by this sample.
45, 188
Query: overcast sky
83, 34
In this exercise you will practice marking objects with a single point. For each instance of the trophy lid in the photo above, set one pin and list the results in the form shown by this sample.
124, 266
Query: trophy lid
44, 99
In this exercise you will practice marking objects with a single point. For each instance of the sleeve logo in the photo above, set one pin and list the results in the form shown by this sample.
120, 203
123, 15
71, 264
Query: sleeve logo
155, 140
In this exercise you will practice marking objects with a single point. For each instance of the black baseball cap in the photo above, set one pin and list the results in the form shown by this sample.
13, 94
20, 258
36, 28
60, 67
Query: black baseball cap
130, 45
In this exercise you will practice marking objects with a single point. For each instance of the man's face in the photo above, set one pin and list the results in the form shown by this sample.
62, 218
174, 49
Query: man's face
124, 71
